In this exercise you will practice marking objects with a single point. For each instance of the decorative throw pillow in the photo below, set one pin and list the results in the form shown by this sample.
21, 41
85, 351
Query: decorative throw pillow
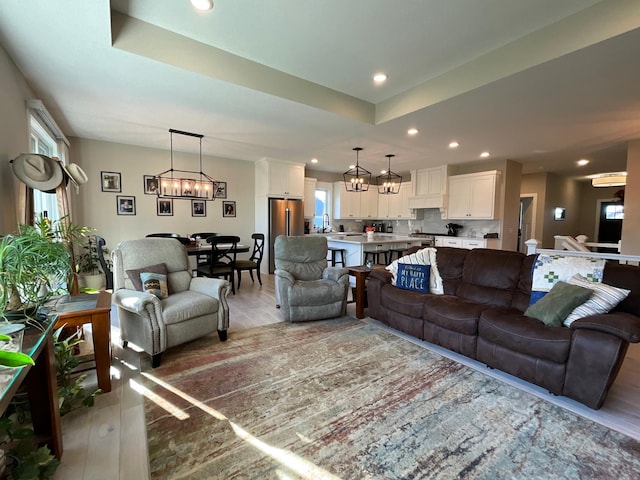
605, 298
134, 275
554, 307
154, 283
413, 277
426, 256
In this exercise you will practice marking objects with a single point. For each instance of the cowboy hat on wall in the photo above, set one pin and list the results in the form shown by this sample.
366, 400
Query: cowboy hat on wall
44, 173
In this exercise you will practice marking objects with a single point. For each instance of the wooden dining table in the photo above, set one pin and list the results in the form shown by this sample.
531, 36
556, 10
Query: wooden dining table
206, 249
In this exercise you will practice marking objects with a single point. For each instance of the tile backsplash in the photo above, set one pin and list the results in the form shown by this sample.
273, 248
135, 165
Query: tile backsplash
430, 223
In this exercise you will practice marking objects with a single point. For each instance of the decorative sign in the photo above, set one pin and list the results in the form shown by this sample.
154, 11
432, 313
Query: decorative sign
413, 277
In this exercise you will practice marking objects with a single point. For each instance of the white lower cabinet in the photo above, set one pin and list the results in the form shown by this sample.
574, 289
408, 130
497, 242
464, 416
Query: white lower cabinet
474, 243
461, 242
448, 242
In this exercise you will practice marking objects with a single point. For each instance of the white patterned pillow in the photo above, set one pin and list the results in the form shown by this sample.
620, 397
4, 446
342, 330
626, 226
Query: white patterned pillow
604, 298
426, 256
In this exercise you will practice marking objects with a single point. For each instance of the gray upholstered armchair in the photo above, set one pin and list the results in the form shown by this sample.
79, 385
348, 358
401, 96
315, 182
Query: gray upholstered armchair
306, 288
193, 307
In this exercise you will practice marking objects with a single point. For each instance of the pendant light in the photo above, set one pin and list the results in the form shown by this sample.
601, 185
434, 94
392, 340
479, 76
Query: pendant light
389, 182
186, 184
357, 179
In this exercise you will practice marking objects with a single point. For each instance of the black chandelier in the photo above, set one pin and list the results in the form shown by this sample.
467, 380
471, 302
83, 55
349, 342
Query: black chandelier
357, 179
389, 182
186, 184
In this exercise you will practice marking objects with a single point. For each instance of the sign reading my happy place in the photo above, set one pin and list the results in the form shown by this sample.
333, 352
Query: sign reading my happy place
413, 277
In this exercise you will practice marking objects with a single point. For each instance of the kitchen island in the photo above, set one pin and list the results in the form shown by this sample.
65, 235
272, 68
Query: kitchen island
355, 245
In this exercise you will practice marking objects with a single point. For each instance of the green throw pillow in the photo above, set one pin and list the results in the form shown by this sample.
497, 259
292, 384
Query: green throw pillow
558, 303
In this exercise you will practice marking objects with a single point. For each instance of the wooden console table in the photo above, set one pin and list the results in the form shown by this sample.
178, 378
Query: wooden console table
41, 384
94, 309
361, 273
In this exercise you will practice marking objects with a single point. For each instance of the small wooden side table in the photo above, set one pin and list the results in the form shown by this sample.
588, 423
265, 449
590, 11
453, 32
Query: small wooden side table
94, 309
361, 273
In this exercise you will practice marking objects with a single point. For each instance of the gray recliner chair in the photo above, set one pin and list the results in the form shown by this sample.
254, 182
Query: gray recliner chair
306, 288
194, 306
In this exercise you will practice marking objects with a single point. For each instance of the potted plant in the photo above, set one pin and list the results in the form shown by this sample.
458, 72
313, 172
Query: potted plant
36, 263
88, 264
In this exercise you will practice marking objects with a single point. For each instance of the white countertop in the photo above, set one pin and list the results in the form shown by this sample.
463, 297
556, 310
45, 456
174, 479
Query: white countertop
465, 238
377, 238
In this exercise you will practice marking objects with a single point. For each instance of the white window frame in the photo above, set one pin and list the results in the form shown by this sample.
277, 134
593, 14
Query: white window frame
43, 142
328, 189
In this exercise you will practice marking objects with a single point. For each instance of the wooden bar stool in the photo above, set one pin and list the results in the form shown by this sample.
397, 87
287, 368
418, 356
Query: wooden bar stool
334, 256
395, 251
375, 256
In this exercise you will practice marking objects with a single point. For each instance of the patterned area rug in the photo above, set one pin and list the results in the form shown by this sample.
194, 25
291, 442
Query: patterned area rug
342, 399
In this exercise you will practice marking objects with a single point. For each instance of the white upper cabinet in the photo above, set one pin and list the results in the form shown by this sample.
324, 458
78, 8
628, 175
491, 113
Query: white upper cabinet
429, 187
279, 179
473, 196
397, 206
345, 204
368, 203
310, 197
352, 205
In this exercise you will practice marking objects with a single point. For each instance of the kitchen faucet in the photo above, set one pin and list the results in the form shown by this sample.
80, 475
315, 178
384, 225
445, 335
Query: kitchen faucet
325, 222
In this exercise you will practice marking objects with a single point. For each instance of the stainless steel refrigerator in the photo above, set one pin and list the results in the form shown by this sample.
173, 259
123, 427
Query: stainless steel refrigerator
286, 217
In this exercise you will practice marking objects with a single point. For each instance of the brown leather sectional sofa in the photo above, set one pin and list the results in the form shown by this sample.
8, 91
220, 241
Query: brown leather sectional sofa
481, 316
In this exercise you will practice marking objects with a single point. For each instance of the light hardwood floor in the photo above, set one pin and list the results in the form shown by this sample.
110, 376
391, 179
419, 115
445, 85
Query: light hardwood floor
108, 441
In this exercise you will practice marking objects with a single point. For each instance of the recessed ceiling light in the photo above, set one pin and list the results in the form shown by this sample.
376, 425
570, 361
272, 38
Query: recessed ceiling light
314, 160
454, 144
582, 162
203, 5
380, 77
412, 131
485, 154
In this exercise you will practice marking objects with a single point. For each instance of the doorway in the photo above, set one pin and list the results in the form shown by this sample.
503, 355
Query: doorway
527, 220
609, 223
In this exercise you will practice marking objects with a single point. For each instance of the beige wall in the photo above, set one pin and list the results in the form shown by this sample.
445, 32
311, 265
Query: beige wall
510, 186
553, 191
589, 197
14, 136
631, 223
561, 192
95, 208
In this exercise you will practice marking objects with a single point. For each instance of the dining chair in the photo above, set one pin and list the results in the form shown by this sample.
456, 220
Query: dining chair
254, 261
223, 259
108, 273
177, 236
202, 258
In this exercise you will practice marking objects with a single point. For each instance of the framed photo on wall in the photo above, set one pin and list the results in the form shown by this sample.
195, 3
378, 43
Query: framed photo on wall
198, 208
150, 185
165, 207
126, 204
229, 209
220, 189
110, 181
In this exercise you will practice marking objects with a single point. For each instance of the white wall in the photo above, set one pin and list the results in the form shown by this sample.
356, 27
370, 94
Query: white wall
95, 208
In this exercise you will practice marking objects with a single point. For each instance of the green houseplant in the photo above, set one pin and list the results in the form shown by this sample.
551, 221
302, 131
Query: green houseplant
36, 263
